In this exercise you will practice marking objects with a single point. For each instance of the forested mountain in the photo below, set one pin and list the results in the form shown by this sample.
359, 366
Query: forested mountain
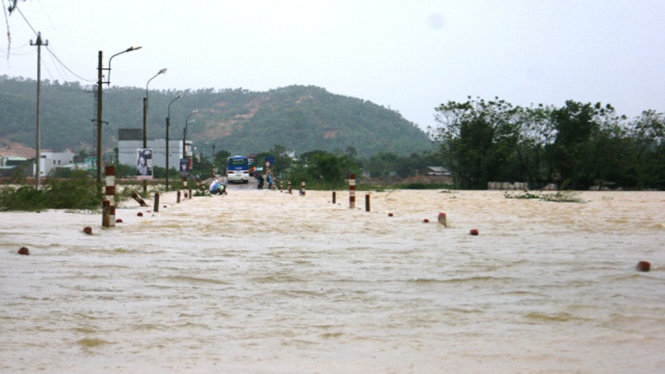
300, 118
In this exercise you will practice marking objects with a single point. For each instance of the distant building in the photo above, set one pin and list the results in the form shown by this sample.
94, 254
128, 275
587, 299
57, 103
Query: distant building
129, 140
49, 161
437, 171
9, 164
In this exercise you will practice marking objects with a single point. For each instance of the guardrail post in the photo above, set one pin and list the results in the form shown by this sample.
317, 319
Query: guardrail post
352, 191
155, 207
108, 206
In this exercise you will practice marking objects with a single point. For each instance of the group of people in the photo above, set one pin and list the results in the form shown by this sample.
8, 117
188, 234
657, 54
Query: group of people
217, 188
261, 180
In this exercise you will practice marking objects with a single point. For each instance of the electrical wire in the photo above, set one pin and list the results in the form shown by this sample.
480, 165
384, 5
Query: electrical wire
9, 34
66, 67
26, 21
51, 51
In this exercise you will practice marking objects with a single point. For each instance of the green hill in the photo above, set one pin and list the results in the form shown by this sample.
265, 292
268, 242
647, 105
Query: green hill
301, 118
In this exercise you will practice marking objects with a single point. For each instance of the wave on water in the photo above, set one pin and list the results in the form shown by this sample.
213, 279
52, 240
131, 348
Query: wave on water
190, 279
553, 317
477, 278
276, 278
92, 342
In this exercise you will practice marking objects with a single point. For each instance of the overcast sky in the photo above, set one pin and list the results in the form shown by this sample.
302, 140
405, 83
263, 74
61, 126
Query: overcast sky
408, 55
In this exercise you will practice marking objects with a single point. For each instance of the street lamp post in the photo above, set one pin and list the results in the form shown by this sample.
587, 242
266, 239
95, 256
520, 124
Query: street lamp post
184, 133
145, 116
100, 69
212, 161
168, 123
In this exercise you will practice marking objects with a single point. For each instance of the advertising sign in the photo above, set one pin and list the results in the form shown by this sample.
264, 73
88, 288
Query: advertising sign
143, 163
184, 167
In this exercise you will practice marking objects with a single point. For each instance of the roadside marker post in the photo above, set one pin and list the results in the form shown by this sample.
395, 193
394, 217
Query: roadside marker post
352, 191
108, 206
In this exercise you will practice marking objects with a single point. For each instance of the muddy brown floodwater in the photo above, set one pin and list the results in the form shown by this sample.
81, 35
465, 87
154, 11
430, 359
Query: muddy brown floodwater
266, 282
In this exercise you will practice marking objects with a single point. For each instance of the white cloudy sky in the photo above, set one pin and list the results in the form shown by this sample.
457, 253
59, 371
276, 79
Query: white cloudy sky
409, 55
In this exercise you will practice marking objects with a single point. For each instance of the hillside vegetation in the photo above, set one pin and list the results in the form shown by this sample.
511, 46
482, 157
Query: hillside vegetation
300, 118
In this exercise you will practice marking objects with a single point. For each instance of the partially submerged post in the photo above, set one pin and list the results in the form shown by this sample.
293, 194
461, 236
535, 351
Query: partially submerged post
108, 206
138, 199
352, 191
155, 207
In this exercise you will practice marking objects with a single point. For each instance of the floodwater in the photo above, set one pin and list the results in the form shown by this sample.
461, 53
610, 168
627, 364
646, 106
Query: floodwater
267, 282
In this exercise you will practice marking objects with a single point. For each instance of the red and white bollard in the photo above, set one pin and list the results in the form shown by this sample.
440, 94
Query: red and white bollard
302, 187
288, 183
184, 186
352, 191
139, 199
108, 207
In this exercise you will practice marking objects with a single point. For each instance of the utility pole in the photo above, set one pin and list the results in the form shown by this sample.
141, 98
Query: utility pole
39, 44
100, 68
100, 76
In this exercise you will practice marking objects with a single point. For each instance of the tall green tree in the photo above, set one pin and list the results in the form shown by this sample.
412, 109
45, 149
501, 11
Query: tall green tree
477, 140
577, 126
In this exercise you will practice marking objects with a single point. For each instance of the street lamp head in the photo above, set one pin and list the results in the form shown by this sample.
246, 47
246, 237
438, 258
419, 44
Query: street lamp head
169, 106
163, 71
133, 48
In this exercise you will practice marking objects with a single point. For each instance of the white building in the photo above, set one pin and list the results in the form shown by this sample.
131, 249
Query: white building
130, 140
127, 151
49, 161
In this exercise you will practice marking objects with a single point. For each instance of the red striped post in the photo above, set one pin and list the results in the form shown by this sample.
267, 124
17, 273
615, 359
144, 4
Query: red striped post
178, 197
184, 186
139, 199
352, 191
108, 207
302, 187
288, 183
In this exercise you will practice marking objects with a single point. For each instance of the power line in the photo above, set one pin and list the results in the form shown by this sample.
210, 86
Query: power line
50, 50
66, 67
9, 34
26, 20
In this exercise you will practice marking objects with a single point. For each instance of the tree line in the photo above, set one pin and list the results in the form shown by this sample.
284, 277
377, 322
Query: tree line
576, 146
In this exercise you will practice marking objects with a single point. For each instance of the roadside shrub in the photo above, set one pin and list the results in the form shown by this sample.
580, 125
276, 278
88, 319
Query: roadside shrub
22, 198
79, 192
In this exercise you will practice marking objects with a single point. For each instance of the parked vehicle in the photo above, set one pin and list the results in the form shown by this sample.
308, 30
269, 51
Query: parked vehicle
237, 169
